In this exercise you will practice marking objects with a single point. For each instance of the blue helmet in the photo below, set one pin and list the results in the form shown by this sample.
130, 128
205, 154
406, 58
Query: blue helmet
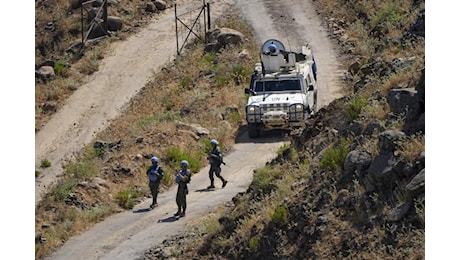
184, 163
214, 141
154, 159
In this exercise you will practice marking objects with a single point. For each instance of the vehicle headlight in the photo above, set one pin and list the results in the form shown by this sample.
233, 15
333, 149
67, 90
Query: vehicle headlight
253, 110
296, 108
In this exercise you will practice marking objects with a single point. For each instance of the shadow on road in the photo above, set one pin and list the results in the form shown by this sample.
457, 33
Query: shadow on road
168, 219
204, 190
142, 210
266, 136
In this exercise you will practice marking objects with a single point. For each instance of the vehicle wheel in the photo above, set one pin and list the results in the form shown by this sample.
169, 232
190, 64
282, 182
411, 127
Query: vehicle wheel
253, 131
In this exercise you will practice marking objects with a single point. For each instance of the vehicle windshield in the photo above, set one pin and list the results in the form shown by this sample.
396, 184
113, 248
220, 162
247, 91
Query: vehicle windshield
279, 85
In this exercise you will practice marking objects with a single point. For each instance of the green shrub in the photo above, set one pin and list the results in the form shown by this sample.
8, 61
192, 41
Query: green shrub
37, 173
391, 15
280, 214
334, 157
126, 198
174, 156
254, 244
354, 108
168, 178
82, 170
234, 117
96, 213
208, 62
63, 189
60, 68
146, 122
222, 81
45, 163
283, 148
262, 180
185, 83
240, 74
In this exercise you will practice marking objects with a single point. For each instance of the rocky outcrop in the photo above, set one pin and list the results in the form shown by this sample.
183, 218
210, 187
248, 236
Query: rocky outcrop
221, 37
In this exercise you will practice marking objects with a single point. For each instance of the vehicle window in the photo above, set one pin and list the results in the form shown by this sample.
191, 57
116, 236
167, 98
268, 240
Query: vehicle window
280, 85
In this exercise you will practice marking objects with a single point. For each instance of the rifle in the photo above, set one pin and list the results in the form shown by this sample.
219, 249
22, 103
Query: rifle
219, 159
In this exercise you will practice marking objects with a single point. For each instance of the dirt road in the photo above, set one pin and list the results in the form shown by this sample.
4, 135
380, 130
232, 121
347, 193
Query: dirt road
128, 234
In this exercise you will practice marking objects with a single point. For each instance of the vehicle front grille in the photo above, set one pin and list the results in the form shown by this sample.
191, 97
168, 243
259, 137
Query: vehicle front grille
264, 108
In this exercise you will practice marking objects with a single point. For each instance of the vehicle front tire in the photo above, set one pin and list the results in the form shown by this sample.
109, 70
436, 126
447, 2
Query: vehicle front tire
253, 131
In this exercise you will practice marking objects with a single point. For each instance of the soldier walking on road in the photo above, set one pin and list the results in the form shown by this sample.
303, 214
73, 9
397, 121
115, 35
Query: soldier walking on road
183, 177
215, 160
155, 174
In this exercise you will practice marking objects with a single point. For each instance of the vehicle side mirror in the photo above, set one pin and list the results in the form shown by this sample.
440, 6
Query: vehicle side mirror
246, 91
311, 88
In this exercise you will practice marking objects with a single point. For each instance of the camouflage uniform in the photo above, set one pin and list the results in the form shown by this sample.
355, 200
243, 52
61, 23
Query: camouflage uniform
182, 190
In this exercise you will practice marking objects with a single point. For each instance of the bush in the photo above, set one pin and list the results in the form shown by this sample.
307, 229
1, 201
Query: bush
354, 108
63, 190
82, 170
280, 215
263, 180
45, 163
391, 15
126, 198
174, 156
60, 68
254, 244
334, 157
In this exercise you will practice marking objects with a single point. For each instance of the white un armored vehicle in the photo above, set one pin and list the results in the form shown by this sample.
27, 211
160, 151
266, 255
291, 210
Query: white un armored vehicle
282, 92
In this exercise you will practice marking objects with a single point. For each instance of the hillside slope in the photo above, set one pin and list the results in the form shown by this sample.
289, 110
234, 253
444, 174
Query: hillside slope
351, 185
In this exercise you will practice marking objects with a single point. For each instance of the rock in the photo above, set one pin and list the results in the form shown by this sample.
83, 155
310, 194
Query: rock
357, 161
399, 212
101, 182
229, 36
150, 7
388, 139
401, 99
114, 23
416, 186
45, 73
160, 5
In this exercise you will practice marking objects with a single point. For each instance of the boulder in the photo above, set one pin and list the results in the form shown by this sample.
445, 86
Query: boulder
45, 73
159, 4
114, 23
229, 36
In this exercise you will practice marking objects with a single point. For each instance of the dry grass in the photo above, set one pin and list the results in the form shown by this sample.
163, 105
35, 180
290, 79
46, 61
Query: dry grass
57, 26
162, 125
412, 148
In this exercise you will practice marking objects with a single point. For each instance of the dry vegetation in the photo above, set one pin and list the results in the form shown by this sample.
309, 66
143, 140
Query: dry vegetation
57, 27
197, 88
207, 85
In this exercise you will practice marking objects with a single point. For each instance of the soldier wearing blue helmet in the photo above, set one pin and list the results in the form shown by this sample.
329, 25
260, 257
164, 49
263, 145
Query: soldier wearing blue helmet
215, 160
155, 174
183, 177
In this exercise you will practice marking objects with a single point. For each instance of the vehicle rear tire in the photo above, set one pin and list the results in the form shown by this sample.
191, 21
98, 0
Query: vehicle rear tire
253, 131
